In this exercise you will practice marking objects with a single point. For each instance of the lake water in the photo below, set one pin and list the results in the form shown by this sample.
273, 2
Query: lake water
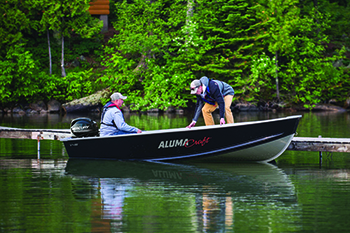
55, 194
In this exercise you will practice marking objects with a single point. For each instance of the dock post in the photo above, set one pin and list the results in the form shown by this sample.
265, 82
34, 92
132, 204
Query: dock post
39, 137
320, 154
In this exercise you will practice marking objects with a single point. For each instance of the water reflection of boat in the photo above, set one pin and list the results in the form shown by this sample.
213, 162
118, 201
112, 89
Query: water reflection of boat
240, 177
209, 197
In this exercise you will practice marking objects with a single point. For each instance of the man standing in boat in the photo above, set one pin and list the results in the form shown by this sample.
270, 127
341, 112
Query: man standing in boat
212, 94
112, 119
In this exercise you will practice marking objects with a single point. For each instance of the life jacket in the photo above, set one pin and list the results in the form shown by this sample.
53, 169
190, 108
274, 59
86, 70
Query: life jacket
105, 108
211, 101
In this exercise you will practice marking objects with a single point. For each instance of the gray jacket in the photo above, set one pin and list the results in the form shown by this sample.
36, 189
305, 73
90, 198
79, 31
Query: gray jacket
114, 123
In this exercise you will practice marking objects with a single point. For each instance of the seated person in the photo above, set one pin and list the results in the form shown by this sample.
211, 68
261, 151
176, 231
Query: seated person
112, 119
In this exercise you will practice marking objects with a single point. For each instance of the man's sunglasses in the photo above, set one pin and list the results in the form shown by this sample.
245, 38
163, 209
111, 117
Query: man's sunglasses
192, 88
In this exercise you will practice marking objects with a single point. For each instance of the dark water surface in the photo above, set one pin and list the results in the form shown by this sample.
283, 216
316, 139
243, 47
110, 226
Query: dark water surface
55, 194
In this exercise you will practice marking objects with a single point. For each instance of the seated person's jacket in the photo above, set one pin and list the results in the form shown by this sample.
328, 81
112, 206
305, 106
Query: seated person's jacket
113, 123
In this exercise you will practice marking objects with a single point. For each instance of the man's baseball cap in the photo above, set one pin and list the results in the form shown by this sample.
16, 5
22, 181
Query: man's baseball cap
117, 96
194, 86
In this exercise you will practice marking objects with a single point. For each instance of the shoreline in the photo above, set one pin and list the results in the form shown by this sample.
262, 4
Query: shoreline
54, 107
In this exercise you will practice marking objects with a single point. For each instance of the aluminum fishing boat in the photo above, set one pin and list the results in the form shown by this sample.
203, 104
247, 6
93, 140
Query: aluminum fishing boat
259, 141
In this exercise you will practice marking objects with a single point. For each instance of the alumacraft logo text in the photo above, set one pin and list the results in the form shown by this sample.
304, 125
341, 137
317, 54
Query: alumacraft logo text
183, 142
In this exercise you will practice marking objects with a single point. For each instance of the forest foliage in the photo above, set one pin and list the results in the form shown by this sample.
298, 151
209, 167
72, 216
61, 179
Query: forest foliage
291, 51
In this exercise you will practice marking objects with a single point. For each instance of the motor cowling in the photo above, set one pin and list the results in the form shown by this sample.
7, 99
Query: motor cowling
84, 127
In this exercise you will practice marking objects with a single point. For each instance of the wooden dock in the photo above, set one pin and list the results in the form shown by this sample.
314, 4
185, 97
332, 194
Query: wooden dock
298, 143
38, 134
320, 144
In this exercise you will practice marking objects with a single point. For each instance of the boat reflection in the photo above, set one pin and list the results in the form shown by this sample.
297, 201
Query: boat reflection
209, 195
228, 176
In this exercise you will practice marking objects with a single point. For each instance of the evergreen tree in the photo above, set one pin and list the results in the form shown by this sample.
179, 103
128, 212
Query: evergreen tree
13, 22
224, 35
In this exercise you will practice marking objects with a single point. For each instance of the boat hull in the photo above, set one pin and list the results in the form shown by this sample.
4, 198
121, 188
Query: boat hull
249, 141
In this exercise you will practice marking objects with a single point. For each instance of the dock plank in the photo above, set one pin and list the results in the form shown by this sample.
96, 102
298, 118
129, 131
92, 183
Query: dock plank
320, 144
44, 134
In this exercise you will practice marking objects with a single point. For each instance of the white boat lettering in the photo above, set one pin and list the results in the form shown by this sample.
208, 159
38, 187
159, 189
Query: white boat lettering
183, 142
172, 143
73, 144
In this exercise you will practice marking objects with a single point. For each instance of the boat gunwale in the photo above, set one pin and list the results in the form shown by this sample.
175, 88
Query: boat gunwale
162, 131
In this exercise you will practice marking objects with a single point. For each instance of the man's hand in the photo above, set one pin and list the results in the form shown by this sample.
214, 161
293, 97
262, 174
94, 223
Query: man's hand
139, 131
222, 121
191, 125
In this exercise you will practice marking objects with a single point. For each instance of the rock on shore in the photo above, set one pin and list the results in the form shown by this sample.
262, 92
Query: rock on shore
91, 103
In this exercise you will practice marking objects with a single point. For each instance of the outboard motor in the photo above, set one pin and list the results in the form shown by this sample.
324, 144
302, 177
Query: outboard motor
84, 127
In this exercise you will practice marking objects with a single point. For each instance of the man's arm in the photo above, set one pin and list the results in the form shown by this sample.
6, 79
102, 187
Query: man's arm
198, 109
122, 125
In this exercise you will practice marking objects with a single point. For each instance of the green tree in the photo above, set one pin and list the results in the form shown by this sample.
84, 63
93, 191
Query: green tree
339, 21
16, 76
225, 42
305, 73
13, 22
279, 19
69, 17
17, 65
